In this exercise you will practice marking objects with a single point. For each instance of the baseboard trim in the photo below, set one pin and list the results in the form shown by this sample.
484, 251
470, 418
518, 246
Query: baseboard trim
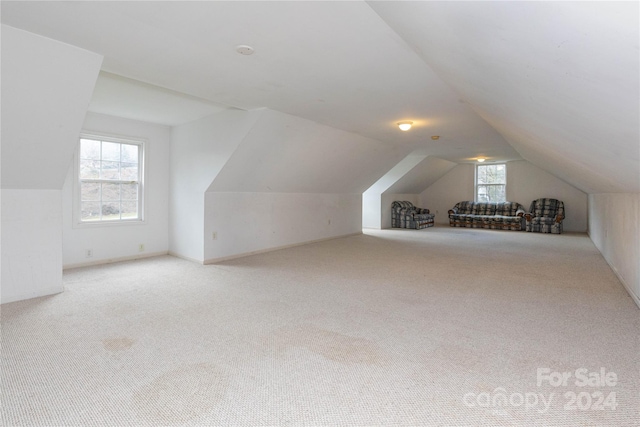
186, 258
45, 292
633, 296
112, 260
277, 248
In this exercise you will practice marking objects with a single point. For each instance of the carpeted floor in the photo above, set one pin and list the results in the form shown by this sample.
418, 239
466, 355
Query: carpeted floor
441, 326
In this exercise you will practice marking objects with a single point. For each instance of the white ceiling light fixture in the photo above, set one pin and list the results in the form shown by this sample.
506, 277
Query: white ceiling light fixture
405, 126
244, 49
481, 160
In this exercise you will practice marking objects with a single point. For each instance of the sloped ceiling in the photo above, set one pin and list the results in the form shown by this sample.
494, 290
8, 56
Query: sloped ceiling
286, 154
559, 80
335, 63
421, 176
553, 82
46, 88
131, 99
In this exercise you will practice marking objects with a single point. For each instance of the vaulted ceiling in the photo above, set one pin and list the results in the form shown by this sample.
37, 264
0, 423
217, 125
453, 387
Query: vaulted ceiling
556, 83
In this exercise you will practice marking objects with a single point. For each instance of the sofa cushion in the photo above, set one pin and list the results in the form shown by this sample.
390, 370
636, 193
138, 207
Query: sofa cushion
509, 208
484, 209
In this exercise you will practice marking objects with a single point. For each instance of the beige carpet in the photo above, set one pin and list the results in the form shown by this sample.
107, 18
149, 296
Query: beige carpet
397, 327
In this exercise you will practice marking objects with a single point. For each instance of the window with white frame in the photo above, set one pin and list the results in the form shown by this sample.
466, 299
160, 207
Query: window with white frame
110, 180
491, 183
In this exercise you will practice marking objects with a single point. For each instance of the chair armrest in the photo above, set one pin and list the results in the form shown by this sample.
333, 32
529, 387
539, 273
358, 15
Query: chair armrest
528, 217
422, 211
452, 211
559, 218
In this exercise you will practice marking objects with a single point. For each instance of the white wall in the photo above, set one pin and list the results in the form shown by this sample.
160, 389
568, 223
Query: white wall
614, 227
46, 88
199, 150
525, 182
117, 241
254, 222
455, 186
31, 244
371, 210
267, 172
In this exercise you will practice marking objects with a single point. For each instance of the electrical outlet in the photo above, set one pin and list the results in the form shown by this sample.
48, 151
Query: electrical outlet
214, 235
89, 253
141, 247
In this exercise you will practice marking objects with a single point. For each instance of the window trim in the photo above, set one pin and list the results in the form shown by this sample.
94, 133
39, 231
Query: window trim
142, 143
476, 181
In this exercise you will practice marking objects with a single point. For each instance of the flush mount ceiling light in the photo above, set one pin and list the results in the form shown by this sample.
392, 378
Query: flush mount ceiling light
435, 137
481, 160
405, 126
243, 49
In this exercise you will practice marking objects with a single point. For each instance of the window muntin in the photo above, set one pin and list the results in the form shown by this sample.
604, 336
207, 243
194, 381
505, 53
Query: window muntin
491, 183
110, 180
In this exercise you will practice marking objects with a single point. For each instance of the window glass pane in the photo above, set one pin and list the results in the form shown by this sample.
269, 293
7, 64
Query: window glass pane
110, 192
491, 193
89, 149
111, 151
129, 210
493, 174
90, 211
109, 161
129, 153
500, 174
89, 169
110, 210
482, 174
129, 171
129, 192
110, 170
89, 191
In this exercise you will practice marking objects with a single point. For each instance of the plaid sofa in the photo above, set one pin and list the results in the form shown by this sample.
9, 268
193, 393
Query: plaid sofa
405, 215
500, 216
545, 216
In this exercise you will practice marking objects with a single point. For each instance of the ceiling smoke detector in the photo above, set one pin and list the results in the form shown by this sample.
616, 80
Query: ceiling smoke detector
244, 49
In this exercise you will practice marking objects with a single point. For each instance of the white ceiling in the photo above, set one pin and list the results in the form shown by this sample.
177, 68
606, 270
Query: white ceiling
122, 97
557, 80
336, 63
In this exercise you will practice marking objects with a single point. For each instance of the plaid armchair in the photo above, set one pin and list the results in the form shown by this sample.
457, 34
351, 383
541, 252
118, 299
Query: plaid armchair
405, 215
545, 216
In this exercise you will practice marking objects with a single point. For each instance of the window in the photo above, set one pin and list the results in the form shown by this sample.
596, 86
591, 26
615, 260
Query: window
110, 180
491, 183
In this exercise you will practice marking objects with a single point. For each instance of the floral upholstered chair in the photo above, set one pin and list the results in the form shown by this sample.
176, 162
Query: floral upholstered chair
405, 215
545, 216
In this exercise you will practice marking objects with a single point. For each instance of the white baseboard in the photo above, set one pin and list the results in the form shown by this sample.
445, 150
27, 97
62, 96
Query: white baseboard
177, 255
112, 260
5, 299
627, 287
633, 296
277, 248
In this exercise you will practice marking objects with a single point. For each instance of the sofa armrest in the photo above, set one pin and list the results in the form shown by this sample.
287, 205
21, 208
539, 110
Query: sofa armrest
520, 213
559, 218
528, 217
452, 211
422, 211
